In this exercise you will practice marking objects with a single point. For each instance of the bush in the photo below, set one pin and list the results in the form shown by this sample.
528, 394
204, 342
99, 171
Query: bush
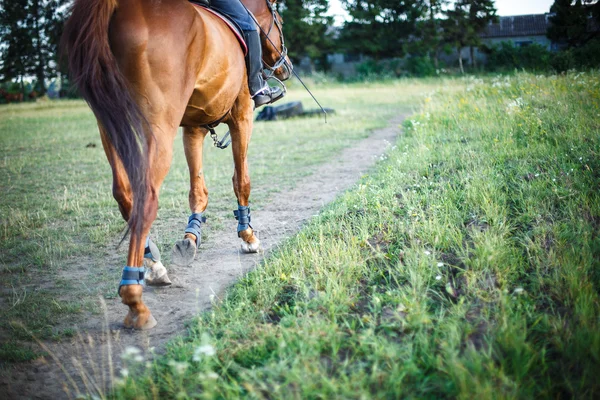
537, 58
563, 61
587, 56
420, 66
506, 56
369, 68
372, 69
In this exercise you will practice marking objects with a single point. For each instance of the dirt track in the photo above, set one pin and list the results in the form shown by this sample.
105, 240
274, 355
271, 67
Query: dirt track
218, 264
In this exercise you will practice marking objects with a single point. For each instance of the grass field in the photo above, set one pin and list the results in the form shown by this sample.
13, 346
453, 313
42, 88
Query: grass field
465, 266
59, 222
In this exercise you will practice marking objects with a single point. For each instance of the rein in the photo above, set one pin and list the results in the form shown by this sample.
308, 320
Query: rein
282, 53
225, 141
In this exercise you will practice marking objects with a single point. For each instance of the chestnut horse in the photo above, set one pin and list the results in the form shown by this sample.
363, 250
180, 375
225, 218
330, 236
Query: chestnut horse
146, 68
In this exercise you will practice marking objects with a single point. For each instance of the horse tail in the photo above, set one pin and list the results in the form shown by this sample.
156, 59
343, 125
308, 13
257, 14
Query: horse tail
95, 72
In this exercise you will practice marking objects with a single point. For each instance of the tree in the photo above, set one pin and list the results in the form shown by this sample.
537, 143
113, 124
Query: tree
481, 13
29, 33
456, 31
571, 21
380, 28
432, 37
464, 24
16, 40
307, 29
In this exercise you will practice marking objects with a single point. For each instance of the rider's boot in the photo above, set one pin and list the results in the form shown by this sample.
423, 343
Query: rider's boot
260, 91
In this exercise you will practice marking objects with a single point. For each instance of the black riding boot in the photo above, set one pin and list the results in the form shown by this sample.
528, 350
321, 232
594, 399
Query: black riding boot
260, 91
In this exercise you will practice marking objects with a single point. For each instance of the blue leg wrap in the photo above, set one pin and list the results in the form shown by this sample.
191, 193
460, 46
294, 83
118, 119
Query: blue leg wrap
242, 215
151, 251
194, 226
132, 276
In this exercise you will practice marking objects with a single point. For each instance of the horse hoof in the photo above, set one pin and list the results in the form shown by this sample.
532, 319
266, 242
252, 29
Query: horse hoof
253, 247
184, 252
138, 323
157, 273
151, 323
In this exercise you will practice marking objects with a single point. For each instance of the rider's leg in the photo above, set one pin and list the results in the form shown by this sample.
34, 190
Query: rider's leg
260, 91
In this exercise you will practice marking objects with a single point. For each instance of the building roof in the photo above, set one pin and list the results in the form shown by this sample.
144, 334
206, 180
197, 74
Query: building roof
518, 25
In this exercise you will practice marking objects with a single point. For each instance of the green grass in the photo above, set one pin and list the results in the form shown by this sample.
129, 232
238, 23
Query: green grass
59, 223
465, 266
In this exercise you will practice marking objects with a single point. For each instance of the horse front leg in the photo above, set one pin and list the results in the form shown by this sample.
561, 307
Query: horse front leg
185, 250
241, 131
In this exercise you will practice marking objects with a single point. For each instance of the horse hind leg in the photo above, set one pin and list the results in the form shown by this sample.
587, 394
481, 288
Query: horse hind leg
156, 274
160, 156
185, 250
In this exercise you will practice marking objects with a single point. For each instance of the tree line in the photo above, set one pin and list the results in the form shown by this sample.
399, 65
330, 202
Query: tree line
380, 29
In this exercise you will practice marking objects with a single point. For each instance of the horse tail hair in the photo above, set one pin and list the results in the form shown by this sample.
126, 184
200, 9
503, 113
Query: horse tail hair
95, 72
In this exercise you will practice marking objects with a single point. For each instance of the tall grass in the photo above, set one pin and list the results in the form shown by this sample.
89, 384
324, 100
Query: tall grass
466, 265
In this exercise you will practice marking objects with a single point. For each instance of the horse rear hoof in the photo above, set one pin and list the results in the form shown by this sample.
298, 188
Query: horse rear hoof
184, 252
157, 273
151, 323
135, 322
253, 247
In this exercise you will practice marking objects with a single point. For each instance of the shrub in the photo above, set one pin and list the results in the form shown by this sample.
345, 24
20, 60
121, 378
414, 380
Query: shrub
587, 56
506, 56
420, 66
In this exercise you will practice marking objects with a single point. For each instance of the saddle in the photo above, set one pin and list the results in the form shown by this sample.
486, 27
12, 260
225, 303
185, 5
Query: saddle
233, 26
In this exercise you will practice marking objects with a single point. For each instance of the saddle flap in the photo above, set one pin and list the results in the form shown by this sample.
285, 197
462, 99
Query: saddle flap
232, 25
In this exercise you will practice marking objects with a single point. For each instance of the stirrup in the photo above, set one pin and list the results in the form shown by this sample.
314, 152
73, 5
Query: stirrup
268, 95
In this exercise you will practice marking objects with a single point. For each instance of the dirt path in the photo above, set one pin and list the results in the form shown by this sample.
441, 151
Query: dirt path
218, 264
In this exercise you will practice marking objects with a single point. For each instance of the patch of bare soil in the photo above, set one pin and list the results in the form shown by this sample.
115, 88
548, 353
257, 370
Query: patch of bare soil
88, 359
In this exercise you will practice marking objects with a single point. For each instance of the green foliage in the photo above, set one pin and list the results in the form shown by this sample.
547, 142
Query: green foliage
30, 32
380, 28
306, 29
505, 56
588, 55
570, 21
584, 57
535, 57
465, 22
13, 352
429, 31
420, 66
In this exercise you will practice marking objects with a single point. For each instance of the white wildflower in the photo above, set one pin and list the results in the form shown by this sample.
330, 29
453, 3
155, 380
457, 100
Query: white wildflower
133, 354
514, 105
518, 290
438, 277
179, 367
131, 351
440, 264
204, 350
427, 252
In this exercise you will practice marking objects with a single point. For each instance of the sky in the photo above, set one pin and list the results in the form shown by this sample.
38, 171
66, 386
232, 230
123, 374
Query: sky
504, 7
